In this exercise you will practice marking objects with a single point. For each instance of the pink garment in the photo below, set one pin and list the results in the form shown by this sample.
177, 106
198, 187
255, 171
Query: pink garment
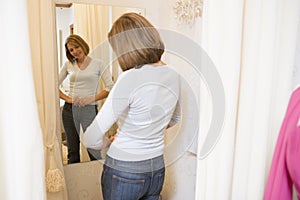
285, 168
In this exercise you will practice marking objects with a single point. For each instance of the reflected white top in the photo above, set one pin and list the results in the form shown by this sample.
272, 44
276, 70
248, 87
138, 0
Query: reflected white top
144, 101
84, 83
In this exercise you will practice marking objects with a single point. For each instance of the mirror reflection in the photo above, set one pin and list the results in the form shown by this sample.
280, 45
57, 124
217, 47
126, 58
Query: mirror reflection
84, 80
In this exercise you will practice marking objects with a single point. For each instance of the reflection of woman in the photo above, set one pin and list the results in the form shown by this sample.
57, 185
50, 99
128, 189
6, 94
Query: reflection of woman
144, 100
81, 99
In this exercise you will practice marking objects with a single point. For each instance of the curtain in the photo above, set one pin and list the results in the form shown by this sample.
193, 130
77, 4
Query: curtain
44, 67
91, 21
252, 44
21, 144
268, 58
221, 39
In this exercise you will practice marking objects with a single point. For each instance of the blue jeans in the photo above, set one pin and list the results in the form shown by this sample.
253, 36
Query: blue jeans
120, 184
72, 118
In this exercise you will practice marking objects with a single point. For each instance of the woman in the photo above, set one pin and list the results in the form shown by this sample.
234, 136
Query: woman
144, 100
80, 106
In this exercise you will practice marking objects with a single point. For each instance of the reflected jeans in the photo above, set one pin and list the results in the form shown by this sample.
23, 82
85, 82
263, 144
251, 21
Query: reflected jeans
72, 118
133, 180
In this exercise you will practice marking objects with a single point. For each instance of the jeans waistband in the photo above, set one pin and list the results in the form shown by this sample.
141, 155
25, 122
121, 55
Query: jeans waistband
143, 166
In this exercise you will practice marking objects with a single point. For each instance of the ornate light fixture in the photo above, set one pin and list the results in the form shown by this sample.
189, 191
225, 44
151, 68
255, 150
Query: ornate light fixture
187, 11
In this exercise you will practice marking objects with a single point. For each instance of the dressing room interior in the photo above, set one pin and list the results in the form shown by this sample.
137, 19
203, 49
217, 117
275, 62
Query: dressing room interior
239, 62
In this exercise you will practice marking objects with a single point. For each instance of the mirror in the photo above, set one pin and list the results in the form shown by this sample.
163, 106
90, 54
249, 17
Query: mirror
82, 180
92, 22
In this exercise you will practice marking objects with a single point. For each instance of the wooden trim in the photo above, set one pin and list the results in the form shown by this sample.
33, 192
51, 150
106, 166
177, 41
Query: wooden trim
63, 5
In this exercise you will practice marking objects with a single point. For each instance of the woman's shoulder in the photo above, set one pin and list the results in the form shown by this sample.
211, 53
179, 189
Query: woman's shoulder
295, 95
67, 64
97, 61
126, 74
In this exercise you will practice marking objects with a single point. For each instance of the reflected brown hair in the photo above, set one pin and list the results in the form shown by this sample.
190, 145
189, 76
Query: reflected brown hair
77, 41
135, 41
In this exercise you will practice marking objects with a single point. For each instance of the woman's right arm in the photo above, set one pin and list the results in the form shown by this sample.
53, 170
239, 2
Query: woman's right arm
116, 103
65, 97
62, 75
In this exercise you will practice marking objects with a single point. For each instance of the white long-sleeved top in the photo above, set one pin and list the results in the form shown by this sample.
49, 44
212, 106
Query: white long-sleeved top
84, 83
144, 101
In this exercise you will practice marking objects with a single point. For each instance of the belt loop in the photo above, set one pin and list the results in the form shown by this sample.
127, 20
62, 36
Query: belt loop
151, 164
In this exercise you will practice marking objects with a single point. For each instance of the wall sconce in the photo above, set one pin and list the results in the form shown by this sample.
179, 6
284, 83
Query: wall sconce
186, 11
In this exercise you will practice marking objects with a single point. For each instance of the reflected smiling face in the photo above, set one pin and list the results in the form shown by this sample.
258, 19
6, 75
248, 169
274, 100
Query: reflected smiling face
76, 51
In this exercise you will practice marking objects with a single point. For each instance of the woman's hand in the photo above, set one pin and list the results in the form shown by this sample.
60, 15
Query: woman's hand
69, 100
107, 141
83, 101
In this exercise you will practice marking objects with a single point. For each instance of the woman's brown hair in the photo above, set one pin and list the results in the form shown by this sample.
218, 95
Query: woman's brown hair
135, 41
77, 41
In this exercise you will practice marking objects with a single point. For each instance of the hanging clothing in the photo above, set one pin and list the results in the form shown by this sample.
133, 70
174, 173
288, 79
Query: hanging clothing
285, 168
